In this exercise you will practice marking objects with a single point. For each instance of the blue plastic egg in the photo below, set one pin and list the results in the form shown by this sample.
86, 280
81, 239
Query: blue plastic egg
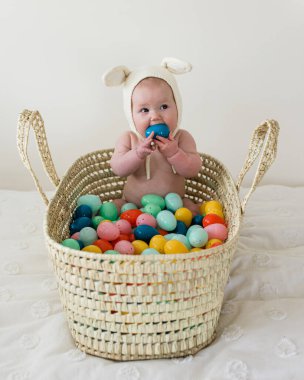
83, 210
173, 201
197, 219
90, 200
198, 237
159, 130
145, 232
79, 223
166, 220
181, 228
191, 228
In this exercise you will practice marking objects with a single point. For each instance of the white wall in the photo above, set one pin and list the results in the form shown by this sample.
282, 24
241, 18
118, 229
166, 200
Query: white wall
247, 57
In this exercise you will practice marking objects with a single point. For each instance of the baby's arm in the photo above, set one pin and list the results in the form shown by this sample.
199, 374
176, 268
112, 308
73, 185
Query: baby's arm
181, 153
126, 160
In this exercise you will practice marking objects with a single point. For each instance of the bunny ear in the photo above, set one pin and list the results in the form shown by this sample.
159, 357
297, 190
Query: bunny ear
176, 66
115, 76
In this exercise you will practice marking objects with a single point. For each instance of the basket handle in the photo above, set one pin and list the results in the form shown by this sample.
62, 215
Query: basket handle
264, 141
32, 119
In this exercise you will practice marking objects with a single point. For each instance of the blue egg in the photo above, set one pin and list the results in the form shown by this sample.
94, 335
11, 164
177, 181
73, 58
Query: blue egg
197, 219
173, 201
159, 130
181, 228
198, 237
79, 223
145, 232
83, 210
81, 245
150, 251
191, 228
166, 220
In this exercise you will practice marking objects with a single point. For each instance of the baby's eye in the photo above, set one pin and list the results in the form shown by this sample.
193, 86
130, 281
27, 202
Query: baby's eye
144, 110
163, 106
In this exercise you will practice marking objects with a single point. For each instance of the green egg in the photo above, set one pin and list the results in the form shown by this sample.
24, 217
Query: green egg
166, 220
108, 210
88, 235
152, 208
71, 243
90, 200
173, 201
111, 252
153, 198
96, 220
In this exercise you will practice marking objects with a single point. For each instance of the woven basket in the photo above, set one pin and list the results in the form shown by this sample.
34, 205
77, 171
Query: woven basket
141, 307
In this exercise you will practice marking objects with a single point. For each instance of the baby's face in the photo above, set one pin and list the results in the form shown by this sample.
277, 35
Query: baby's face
153, 103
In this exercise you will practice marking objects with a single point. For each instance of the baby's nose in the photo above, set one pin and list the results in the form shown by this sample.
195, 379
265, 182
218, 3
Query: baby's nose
155, 115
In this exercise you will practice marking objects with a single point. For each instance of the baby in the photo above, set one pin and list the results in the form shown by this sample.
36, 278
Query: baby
160, 165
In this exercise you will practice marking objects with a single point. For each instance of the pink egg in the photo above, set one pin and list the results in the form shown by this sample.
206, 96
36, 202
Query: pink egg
217, 231
124, 226
147, 219
124, 247
108, 231
75, 236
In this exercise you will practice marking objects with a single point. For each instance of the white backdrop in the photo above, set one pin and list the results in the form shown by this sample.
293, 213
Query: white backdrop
247, 59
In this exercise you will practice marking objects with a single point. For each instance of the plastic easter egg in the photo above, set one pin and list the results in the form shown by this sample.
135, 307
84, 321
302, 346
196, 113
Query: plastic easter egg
111, 252
81, 245
120, 237
124, 247
201, 208
150, 251
170, 236
87, 235
96, 220
131, 216
75, 236
198, 237
158, 242
71, 243
195, 249
212, 219
90, 200
184, 215
197, 219
79, 223
162, 232
108, 231
145, 233
213, 243
159, 130
153, 198
166, 220
104, 245
124, 226
147, 219
152, 209
215, 211
92, 248
128, 206
217, 231
175, 246
139, 246
183, 239
173, 201
108, 210
181, 228
83, 210
191, 228
212, 205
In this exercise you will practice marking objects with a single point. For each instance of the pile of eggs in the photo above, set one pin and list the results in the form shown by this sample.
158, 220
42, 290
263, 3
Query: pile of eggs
161, 226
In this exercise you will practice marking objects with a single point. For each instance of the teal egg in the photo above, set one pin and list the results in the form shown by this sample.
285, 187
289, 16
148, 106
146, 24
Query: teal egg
152, 208
88, 235
108, 210
145, 232
160, 129
71, 243
153, 198
96, 220
150, 251
111, 252
166, 220
181, 228
173, 201
128, 206
198, 237
90, 200
191, 228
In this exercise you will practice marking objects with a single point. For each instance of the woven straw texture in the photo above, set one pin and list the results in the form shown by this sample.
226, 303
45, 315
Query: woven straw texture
141, 307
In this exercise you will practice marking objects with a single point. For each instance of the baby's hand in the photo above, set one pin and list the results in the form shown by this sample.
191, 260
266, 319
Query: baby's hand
168, 147
145, 147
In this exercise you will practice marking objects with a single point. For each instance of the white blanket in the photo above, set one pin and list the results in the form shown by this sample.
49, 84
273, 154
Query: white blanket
260, 334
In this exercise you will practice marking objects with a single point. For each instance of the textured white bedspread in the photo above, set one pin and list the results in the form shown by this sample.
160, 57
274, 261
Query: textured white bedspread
261, 329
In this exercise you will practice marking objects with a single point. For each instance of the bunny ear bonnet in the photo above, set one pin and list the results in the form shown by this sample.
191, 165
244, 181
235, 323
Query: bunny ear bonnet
121, 75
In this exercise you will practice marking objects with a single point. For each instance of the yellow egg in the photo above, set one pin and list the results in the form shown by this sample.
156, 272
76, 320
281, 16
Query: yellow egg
175, 246
184, 215
139, 246
92, 248
202, 207
158, 242
213, 241
213, 204
195, 249
215, 211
